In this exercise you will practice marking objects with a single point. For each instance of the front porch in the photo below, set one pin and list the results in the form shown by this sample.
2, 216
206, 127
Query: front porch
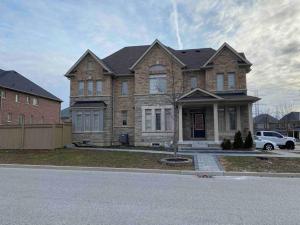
205, 119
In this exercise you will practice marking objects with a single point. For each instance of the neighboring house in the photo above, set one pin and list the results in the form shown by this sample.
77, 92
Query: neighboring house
65, 115
132, 92
290, 124
24, 102
265, 122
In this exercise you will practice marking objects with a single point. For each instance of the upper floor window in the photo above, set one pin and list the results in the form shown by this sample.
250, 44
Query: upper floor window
35, 101
2, 93
17, 98
124, 88
220, 82
158, 84
90, 87
98, 87
80, 88
27, 99
231, 80
193, 82
157, 69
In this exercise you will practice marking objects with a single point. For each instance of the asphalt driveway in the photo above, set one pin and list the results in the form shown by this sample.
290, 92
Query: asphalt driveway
44, 197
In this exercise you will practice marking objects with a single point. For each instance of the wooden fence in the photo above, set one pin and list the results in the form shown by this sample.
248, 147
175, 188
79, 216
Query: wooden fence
35, 136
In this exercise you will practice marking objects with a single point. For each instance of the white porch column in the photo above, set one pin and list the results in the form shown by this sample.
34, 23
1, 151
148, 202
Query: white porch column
216, 125
238, 119
180, 136
250, 118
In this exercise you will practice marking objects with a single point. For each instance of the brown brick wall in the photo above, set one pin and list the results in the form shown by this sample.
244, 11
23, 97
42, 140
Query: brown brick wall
157, 56
82, 74
187, 79
47, 111
225, 62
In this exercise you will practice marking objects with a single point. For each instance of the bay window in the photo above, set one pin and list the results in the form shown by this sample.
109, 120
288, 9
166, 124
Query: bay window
157, 118
87, 120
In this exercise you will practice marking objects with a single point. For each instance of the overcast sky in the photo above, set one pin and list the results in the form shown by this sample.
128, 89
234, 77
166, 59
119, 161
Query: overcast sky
43, 39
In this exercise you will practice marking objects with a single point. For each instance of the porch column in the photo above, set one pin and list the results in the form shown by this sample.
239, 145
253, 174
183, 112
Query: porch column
216, 125
250, 118
180, 136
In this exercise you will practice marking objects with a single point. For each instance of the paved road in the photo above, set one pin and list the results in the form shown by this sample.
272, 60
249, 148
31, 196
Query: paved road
44, 197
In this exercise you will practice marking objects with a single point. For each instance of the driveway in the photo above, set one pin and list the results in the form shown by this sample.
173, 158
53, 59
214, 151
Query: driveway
44, 197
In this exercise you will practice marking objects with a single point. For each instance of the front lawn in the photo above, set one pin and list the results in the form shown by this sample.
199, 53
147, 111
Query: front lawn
260, 164
89, 158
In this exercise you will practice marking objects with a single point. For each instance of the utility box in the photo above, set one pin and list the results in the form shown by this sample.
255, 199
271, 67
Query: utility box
124, 139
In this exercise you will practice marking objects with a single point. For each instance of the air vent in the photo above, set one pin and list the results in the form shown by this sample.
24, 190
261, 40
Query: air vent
183, 52
155, 144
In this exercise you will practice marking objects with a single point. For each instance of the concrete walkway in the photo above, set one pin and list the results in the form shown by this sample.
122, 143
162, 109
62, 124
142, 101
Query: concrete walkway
207, 162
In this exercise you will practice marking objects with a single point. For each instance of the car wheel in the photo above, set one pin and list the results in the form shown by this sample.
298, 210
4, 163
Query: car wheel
290, 145
269, 147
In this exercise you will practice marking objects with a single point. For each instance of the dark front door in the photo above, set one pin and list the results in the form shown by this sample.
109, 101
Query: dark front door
198, 125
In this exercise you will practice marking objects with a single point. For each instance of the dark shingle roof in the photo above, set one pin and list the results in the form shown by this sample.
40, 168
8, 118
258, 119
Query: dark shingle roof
65, 113
15, 81
292, 116
87, 104
262, 118
122, 60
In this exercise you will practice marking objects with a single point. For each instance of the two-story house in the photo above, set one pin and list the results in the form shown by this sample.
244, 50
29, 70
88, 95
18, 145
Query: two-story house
154, 92
24, 102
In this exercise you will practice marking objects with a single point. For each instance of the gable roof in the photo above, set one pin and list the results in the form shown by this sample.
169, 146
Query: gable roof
226, 45
156, 42
263, 118
82, 57
15, 81
199, 93
292, 116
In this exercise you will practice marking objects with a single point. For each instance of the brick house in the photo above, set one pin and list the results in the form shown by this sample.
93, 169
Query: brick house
154, 92
24, 102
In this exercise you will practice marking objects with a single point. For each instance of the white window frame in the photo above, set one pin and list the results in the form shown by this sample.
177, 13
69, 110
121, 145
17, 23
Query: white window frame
27, 99
91, 127
231, 80
194, 82
153, 119
124, 88
2, 93
158, 77
17, 98
99, 87
220, 86
78, 91
90, 87
35, 101
9, 117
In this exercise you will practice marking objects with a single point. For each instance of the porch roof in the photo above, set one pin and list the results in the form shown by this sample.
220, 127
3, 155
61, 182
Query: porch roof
202, 96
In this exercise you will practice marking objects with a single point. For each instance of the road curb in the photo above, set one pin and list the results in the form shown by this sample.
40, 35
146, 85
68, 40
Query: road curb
203, 174
108, 169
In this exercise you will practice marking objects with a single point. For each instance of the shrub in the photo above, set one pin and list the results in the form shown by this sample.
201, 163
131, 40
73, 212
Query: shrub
226, 144
238, 140
248, 141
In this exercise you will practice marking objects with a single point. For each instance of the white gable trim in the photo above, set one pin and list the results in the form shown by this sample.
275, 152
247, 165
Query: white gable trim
201, 90
83, 56
231, 49
151, 46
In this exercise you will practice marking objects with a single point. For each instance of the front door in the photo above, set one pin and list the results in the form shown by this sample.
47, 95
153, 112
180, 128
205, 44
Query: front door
198, 125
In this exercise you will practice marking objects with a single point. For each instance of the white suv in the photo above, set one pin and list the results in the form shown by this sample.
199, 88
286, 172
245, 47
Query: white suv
280, 140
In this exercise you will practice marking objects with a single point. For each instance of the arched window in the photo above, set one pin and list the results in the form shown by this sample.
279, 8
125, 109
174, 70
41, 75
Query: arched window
157, 79
158, 68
